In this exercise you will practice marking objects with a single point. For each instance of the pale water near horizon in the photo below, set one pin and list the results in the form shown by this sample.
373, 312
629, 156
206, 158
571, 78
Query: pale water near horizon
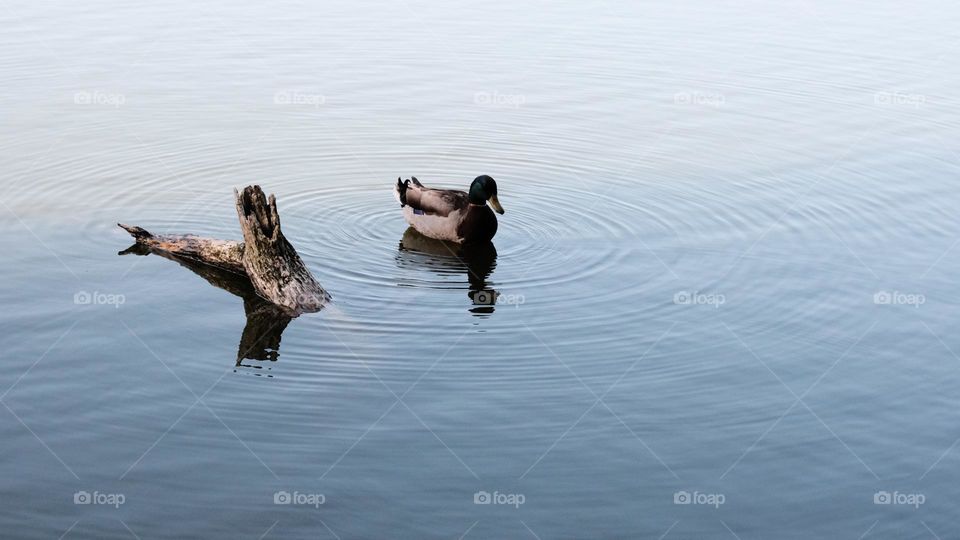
725, 271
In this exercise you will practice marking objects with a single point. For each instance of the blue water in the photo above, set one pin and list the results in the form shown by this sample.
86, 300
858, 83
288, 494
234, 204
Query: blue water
725, 270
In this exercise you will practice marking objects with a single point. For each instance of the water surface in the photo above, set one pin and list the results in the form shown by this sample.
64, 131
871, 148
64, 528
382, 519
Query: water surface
725, 271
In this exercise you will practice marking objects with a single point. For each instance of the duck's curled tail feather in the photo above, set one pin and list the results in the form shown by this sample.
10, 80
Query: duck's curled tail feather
400, 191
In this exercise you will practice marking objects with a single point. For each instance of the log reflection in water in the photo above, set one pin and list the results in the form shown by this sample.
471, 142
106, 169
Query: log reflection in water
266, 322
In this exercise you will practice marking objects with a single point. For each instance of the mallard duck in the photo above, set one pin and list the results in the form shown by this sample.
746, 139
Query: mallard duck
449, 214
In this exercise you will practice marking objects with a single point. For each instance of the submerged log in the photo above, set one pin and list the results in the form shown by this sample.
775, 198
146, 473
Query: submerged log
270, 263
224, 254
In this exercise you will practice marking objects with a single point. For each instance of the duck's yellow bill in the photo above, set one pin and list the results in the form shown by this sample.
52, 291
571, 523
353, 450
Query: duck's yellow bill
495, 204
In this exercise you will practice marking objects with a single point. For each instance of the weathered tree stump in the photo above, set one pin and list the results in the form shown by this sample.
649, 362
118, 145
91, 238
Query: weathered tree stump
265, 257
273, 266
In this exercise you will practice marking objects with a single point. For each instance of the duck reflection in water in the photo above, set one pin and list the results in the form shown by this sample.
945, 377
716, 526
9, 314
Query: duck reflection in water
476, 260
260, 340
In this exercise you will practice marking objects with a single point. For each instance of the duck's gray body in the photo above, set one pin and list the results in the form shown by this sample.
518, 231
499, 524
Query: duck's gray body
445, 214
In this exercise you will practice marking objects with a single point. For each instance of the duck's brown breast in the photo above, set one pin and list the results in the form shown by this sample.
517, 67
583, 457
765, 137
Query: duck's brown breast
479, 224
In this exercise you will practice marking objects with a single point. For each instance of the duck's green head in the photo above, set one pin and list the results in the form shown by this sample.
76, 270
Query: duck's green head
484, 190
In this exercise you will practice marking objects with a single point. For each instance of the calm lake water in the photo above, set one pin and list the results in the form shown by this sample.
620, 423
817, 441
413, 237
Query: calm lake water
727, 271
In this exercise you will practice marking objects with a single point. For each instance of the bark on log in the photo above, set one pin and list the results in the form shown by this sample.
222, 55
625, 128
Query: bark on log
265, 257
273, 266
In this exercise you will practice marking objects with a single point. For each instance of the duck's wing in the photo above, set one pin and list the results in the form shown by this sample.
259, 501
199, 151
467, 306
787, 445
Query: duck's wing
424, 200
